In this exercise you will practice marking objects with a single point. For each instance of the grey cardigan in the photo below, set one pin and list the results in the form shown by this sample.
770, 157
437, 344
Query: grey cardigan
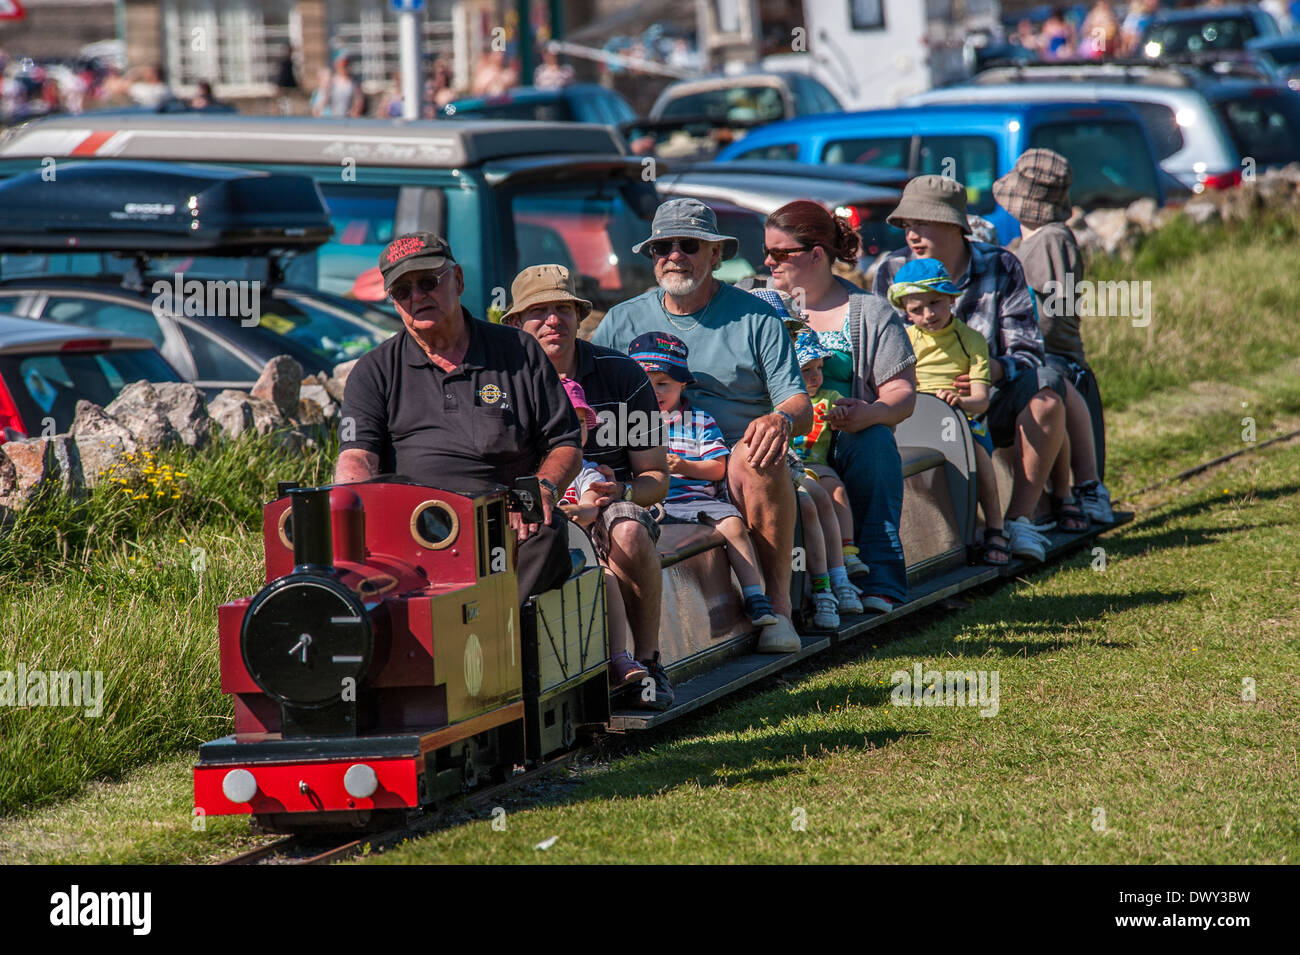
881, 348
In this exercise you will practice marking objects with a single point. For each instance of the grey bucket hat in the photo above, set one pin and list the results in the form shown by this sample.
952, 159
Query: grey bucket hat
687, 218
932, 199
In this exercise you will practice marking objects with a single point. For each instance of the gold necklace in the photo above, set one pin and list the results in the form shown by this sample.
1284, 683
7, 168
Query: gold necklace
704, 311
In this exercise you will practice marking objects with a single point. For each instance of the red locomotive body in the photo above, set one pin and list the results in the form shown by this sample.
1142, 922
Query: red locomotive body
385, 663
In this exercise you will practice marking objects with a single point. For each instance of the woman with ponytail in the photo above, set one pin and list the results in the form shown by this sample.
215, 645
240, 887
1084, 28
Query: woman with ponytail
871, 359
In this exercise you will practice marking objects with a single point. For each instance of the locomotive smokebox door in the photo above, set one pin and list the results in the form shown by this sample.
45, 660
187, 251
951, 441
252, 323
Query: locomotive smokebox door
308, 642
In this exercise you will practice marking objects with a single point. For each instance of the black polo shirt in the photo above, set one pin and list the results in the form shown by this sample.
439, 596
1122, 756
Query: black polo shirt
491, 420
620, 393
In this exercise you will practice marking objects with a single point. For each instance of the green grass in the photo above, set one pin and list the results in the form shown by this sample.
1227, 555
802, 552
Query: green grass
1120, 694
114, 583
128, 586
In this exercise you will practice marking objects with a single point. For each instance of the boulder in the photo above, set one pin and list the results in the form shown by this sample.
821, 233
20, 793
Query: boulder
1088, 240
1143, 214
138, 409
101, 441
279, 384
1240, 204
335, 389
1202, 211
342, 370
185, 408
1113, 228
1077, 216
319, 396
232, 411
35, 461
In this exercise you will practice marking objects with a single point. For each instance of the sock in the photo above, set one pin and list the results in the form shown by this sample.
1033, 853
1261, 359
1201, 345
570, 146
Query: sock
822, 583
848, 547
747, 592
839, 576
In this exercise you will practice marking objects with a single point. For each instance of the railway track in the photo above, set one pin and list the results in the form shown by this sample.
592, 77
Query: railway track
323, 850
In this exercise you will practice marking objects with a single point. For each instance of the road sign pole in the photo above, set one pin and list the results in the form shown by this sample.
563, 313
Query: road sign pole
408, 24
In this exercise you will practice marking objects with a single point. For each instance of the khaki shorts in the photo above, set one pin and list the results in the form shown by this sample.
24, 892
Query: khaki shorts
610, 515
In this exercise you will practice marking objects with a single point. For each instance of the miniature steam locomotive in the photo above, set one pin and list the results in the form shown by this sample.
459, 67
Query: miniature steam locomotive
387, 663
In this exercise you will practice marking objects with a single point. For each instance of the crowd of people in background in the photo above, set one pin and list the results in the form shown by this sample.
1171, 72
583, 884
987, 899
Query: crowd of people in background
1068, 33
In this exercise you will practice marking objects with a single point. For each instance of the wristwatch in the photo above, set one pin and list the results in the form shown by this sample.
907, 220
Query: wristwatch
627, 491
550, 486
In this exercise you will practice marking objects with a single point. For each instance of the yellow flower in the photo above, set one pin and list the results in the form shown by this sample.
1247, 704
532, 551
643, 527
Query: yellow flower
183, 540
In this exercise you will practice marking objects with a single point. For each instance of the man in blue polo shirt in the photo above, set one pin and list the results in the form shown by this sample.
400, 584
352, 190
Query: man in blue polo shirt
746, 378
460, 403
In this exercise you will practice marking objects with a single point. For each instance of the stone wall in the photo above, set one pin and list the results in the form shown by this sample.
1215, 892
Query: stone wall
296, 411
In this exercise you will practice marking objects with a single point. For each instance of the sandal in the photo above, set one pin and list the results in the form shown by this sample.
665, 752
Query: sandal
1070, 517
989, 548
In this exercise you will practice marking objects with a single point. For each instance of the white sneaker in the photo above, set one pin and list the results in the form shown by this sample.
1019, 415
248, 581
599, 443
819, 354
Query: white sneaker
826, 611
847, 596
1025, 540
781, 637
1095, 501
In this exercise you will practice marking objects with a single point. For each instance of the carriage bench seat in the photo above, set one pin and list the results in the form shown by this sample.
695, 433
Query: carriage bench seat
679, 542
917, 460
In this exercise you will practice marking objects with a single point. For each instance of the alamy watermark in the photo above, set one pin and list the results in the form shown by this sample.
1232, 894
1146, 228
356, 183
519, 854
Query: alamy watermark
76, 689
946, 688
1098, 299
208, 298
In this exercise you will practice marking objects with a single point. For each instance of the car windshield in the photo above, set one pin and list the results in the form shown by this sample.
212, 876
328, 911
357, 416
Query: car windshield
731, 104
325, 334
1193, 36
590, 229
48, 386
747, 228
549, 110
1284, 54
1265, 127
1110, 160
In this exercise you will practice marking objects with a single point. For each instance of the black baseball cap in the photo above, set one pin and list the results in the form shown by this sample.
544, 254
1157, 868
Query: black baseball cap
413, 252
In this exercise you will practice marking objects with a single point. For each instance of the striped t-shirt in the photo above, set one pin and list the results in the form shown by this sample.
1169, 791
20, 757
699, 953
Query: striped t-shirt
694, 436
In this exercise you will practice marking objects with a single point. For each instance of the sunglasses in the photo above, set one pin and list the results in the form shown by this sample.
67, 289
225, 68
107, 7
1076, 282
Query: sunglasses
664, 247
427, 285
780, 255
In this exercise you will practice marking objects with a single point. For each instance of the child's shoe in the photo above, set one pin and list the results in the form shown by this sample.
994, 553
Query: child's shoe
758, 608
854, 566
847, 596
826, 611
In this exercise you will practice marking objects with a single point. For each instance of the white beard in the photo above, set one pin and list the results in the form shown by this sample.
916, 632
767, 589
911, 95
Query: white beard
680, 285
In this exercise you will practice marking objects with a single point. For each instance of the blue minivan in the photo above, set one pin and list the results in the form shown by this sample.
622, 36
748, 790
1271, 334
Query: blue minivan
1108, 148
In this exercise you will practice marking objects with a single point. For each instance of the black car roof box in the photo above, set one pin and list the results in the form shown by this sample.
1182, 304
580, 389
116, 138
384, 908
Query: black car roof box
161, 207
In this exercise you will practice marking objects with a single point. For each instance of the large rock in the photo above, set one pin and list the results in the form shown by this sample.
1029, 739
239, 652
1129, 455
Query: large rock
1202, 211
279, 384
35, 461
101, 441
137, 407
232, 411
185, 408
320, 397
1113, 228
1143, 214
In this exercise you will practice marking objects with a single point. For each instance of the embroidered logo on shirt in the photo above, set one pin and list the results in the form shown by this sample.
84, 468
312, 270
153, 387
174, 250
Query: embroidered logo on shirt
490, 394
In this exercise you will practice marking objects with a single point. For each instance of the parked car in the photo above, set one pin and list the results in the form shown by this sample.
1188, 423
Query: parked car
1191, 142
576, 103
164, 253
46, 369
1109, 150
743, 200
505, 194
1284, 52
696, 118
1205, 28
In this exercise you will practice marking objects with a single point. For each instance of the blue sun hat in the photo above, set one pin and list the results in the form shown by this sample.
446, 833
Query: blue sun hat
921, 277
784, 306
808, 347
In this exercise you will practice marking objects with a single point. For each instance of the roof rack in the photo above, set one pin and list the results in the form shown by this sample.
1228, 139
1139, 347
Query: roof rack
147, 207
1150, 72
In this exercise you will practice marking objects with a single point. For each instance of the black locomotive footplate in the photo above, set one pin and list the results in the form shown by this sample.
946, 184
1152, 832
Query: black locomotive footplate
229, 750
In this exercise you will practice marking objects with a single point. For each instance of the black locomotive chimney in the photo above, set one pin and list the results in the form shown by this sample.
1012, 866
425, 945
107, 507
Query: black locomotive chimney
313, 541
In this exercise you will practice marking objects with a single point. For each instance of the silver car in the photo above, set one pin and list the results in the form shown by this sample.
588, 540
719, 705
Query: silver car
1189, 136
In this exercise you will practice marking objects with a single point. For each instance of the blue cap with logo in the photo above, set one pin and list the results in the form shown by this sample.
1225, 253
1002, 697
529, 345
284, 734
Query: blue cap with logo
660, 351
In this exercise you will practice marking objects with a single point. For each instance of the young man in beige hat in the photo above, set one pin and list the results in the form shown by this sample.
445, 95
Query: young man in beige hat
630, 443
1037, 194
1027, 401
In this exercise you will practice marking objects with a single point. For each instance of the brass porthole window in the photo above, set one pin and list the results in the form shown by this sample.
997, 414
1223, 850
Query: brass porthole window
284, 527
434, 525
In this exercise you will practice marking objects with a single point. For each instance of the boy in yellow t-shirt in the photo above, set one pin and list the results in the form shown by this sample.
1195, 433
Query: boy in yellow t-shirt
947, 347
